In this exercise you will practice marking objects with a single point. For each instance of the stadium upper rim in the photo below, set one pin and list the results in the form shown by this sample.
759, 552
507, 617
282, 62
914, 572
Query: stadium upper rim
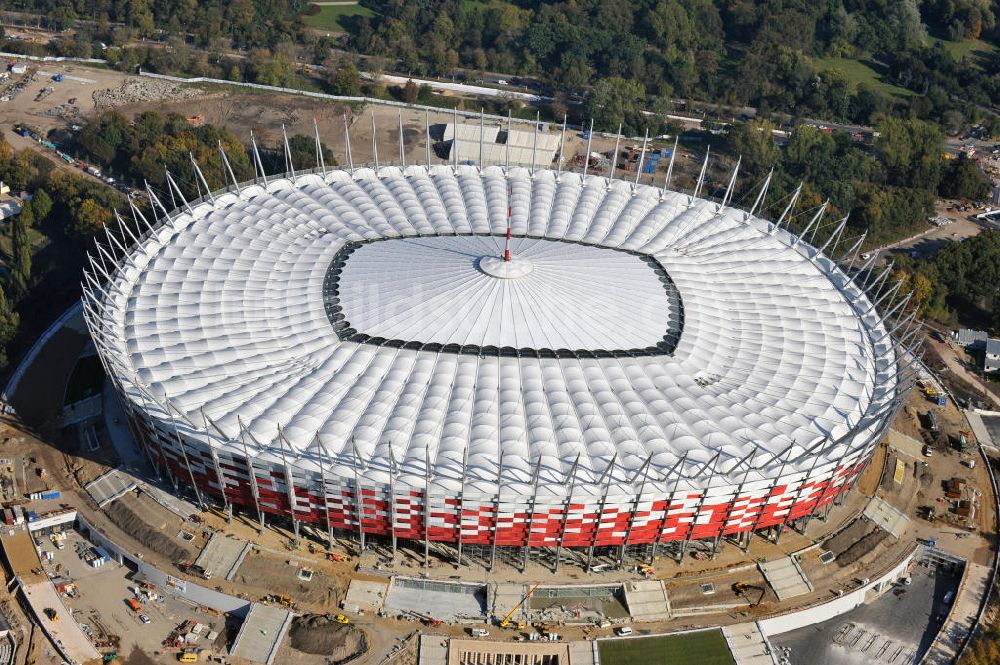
215, 323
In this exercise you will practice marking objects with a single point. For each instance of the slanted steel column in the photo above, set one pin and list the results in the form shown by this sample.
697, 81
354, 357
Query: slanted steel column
229, 170
774, 483
534, 143
798, 494
644, 471
319, 150
830, 483
358, 498
507, 146
670, 499
321, 451
704, 496
496, 506
642, 158
562, 145
586, 159
254, 490
392, 500
427, 138
374, 144
218, 469
607, 475
614, 158
289, 480
531, 512
482, 129
670, 168
454, 144
402, 151
566, 507
739, 490
187, 462
347, 146
461, 501
427, 507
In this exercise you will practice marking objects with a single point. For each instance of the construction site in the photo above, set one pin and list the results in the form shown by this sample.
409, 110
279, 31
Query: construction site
122, 564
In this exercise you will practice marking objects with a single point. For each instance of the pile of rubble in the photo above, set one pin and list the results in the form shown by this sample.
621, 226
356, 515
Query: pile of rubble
141, 90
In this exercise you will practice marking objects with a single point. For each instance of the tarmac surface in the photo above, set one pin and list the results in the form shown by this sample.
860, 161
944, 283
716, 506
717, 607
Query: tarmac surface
895, 629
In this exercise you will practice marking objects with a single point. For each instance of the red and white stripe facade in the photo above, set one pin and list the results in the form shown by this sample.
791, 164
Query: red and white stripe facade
784, 379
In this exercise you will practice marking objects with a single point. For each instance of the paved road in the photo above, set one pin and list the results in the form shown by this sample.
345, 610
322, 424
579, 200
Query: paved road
955, 366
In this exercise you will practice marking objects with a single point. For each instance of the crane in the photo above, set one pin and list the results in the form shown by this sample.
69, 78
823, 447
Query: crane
505, 622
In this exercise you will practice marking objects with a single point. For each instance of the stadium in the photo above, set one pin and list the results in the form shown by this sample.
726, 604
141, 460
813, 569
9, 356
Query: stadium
494, 358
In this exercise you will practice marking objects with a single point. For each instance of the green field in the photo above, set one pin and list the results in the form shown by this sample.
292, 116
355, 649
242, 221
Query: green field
861, 72
330, 16
965, 47
706, 647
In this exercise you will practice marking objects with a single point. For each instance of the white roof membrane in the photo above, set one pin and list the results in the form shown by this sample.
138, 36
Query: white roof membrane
221, 313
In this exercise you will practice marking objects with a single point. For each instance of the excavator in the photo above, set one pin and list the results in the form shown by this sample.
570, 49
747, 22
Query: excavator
520, 625
743, 588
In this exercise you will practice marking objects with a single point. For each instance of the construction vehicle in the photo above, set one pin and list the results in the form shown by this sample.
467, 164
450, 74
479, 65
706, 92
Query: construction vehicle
506, 623
343, 619
742, 589
335, 556
427, 620
134, 604
110, 657
51, 614
188, 656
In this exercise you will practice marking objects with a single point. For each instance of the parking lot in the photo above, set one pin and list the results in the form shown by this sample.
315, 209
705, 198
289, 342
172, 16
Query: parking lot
100, 604
895, 629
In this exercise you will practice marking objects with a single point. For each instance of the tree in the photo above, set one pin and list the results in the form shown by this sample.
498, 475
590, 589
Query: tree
346, 81
90, 217
615, 101
20, 269
41, 205
410, 92
911, 151
963, 180
9, 322
754, 142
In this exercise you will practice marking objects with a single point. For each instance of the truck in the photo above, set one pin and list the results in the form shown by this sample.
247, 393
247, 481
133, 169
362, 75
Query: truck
479, 632
134, 604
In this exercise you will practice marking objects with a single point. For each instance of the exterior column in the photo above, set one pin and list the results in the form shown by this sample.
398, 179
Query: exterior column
254, 491
461, 501
568, 502
289, 482
427, 506
701, 503
609, 473
326, 502
358, 500
187, 462
531, 513
666, 509
635, 507
770, 491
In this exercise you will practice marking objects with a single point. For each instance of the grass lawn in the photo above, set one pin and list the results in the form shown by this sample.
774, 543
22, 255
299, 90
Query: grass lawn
86, 380
707, 647
861, 72
965, 47
330, 17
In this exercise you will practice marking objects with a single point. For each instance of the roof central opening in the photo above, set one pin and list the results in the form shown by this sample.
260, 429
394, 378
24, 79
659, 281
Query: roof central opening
489, 294
506, 267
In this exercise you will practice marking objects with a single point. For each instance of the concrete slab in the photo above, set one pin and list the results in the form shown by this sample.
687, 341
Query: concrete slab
110, 486
447, 601
261, 633
433, 650
64, 630
906, 445
504, 597
748, 644
887, 517
979, 430
991, 423
647, 600
222, 556
582, 653
786, 577
365, 595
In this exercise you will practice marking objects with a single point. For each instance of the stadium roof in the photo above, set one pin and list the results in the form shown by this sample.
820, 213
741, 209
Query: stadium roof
352, 315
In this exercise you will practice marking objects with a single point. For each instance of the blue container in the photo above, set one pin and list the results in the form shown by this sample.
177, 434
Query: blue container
649, 167
51, 494
942, 400
586, 135
666, 152
31, 515
655, 157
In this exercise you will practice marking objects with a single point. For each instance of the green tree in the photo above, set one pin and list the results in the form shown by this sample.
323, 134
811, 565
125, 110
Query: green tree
754, 142
963, 180
616, 100
41, 205
346, 81
9, 322
20, 268
911, 151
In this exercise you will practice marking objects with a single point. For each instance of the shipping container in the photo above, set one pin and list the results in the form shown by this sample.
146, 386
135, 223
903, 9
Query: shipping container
51, 494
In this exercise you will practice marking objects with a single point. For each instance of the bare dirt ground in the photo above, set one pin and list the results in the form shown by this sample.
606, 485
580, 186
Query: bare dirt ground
267, 573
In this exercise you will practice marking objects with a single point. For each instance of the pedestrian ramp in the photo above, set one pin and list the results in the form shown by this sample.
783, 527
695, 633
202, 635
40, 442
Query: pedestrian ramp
887, 517
786, 577
647, 600
748, 644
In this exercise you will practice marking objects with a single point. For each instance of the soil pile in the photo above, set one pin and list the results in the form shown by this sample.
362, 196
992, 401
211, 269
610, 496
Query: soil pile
320, 634
156, 540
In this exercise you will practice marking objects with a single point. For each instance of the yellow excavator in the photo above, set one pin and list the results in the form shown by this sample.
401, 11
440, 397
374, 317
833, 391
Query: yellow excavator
743, 589
520, 625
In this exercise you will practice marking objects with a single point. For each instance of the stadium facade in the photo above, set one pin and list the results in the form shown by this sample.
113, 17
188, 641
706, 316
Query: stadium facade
349, 348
